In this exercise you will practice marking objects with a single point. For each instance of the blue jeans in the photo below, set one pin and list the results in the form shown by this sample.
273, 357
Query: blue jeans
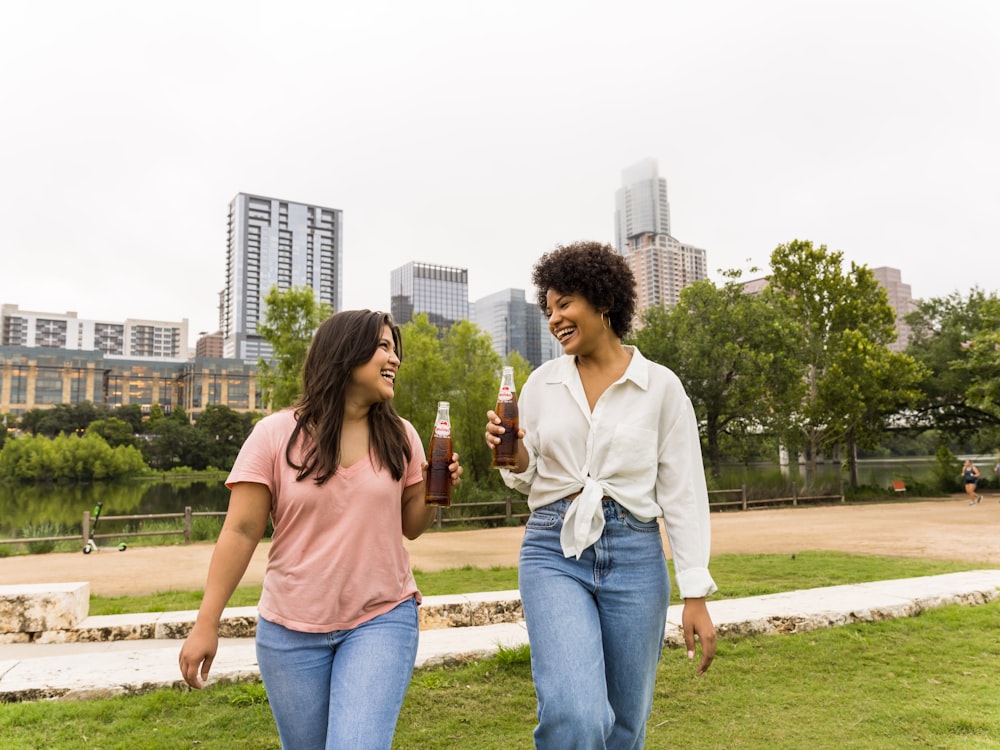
596, 628
341, 690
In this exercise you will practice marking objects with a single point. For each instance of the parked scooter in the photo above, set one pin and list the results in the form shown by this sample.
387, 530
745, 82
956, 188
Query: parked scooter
91, 545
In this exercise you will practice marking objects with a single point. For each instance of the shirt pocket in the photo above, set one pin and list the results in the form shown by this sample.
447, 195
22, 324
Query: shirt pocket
631, 458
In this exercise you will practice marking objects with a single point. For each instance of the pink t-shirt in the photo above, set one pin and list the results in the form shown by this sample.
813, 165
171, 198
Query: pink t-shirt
337, 557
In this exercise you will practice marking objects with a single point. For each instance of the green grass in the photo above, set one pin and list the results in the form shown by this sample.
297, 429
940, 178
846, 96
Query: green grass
738, 576
919, 682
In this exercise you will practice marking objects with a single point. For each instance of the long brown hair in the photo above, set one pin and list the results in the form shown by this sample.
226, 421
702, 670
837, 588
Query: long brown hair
342, 342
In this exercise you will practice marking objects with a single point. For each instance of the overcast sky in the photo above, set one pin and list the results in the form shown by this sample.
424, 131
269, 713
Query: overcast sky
483, 134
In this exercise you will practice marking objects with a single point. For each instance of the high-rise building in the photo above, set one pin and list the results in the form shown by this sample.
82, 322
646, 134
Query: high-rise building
515, 324
276, 243
662, 267
641, 205
901, 300
662, 264
133, 337
442, 292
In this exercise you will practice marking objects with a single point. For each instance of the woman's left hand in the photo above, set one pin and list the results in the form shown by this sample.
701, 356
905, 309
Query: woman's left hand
455, 469
696, 621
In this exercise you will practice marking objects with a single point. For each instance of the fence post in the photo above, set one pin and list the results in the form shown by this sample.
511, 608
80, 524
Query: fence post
842, 498
437, 518
795, 495
187, 524
86, 526
507, 507
743, 493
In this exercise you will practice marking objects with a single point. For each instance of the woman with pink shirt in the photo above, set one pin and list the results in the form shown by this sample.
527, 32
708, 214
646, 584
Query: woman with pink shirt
340, 475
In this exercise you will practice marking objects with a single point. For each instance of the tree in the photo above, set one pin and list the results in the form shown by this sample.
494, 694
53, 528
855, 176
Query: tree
68, 419
868, 384
131, 413
291, 317
732, 352
224, 431
847, 325
33, 458
7, 422
954, 338
114, 431
474, 379
423, 378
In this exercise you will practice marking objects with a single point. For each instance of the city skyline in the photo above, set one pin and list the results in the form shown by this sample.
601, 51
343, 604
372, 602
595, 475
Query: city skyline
868, 128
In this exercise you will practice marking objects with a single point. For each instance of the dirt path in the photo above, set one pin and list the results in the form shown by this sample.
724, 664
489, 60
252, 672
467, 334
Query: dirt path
943, 530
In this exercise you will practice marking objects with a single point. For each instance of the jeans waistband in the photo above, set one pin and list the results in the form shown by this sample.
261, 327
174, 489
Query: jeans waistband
562, 505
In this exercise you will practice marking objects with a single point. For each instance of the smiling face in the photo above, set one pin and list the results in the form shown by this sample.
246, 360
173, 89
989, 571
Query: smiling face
575, 322
374, 380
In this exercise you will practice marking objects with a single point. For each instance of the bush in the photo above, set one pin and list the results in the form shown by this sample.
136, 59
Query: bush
947, 470
34, 458
46, 528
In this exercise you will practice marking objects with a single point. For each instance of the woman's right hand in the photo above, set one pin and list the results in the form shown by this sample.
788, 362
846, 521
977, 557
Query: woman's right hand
197, 655
494, 430
493, 433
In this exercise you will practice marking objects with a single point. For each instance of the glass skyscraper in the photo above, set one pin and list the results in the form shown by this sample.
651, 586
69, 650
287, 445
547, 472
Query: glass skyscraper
641, 205
442, 292
516, 324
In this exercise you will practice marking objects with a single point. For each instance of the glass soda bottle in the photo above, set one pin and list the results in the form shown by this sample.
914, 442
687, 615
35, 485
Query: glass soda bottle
438, 488
505, 454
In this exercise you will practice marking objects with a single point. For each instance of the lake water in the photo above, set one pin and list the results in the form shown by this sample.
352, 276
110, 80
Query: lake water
23, 505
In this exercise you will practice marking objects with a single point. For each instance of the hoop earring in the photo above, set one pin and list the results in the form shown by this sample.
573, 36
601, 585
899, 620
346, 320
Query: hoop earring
606, 319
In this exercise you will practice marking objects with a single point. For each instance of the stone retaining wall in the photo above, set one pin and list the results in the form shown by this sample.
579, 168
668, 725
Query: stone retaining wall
58, 613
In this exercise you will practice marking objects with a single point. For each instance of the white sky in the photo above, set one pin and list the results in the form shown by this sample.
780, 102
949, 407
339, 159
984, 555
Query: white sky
483, 134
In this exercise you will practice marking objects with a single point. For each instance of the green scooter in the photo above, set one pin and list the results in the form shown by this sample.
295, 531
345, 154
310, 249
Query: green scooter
91, 545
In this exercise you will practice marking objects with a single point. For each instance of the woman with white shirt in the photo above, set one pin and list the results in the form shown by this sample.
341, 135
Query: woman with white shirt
609, 443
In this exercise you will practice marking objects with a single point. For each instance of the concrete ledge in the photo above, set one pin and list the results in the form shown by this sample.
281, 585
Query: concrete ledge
454, 611
32, 608
810, 609
470, 610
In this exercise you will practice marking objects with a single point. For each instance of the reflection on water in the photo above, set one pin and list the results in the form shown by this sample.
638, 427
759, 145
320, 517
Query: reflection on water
64, 505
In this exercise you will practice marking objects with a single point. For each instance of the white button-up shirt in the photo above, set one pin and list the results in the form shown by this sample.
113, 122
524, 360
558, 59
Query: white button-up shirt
639, 446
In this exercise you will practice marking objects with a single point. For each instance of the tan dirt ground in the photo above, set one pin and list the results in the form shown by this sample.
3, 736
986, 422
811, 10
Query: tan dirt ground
936, 529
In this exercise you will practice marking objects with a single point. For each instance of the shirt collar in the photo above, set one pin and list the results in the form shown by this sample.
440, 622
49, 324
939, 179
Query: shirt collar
564, 369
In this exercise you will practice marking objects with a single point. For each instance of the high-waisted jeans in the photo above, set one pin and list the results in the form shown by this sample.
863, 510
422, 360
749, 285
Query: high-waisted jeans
596, 627
341, 690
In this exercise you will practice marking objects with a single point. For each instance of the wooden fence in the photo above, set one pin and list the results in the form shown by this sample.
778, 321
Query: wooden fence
185, 529
514, 507
738, 499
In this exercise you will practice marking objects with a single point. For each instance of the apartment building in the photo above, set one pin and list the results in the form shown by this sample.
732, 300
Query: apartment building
273, 242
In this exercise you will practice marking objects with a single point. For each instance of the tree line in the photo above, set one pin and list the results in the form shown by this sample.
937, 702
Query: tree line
86, 441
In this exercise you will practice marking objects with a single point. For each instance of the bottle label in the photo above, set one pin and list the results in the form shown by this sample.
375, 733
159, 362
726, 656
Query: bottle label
442, 429
505, 395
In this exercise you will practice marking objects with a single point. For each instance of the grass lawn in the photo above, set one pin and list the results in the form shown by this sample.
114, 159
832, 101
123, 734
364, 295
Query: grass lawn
920, 682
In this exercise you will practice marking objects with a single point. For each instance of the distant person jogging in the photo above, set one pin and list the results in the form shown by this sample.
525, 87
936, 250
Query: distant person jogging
971, 476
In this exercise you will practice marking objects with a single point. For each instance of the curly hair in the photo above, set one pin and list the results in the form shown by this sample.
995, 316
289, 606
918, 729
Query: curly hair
597, 272
344, 341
